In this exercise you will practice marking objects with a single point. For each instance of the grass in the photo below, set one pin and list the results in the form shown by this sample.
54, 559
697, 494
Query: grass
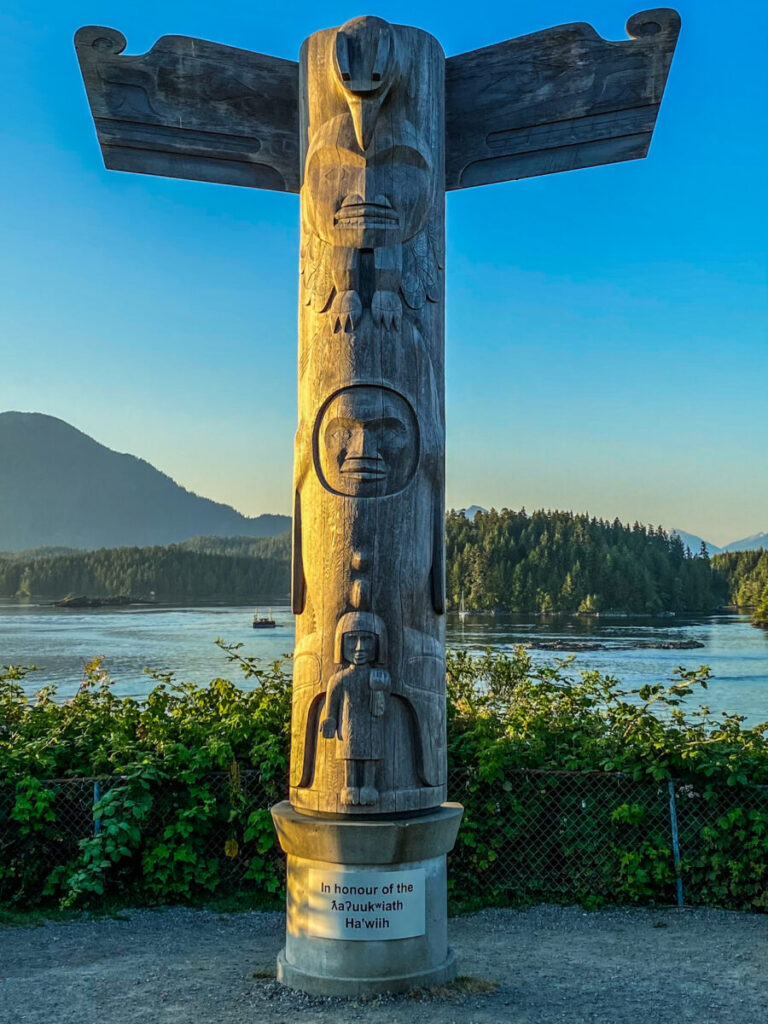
460, 988
118, 910
37, 918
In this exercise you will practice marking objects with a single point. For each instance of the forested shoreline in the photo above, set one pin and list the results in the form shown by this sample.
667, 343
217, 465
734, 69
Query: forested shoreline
546, 562
204, 568
747, 576
562, 562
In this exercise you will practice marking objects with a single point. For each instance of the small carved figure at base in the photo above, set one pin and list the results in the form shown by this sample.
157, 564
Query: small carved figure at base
355, 703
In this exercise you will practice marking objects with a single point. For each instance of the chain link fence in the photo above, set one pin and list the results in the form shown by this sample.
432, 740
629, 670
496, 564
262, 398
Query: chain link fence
527, 836
593, 837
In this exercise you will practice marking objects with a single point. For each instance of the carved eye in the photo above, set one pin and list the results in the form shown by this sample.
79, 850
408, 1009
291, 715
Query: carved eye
392, 152
338, 436
393, 433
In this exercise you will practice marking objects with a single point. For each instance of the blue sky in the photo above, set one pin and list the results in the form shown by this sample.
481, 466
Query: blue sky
607, 328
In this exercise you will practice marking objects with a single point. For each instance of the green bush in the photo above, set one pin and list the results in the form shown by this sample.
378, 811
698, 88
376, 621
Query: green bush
563, 776
565, 786
174, 821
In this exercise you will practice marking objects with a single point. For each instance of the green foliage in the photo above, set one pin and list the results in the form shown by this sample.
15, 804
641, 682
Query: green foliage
560, 562
563, 776
747, 576
564, 783
173, 821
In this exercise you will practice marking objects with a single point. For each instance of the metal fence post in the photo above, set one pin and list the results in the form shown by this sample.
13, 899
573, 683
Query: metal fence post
675, 841
96, 798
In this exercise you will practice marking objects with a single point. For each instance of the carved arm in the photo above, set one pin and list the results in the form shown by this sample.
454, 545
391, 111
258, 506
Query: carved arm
381, 685
329, 725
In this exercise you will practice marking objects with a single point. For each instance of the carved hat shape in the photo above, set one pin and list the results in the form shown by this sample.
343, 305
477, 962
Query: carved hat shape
366, 442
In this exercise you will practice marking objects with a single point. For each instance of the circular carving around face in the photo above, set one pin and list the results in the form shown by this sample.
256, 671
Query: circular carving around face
366, 442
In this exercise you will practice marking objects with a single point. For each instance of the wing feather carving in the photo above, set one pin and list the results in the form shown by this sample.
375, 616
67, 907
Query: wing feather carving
192, 109
556, 100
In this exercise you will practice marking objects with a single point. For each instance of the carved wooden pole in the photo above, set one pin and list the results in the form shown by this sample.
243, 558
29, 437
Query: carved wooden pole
372, 127
369, 463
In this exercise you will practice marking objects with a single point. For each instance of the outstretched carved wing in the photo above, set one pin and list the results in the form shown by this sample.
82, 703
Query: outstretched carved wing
556, 100
193, 109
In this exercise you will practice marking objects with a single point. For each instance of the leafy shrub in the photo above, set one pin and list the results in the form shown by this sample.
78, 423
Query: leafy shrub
564, 780
173, 820
565, 786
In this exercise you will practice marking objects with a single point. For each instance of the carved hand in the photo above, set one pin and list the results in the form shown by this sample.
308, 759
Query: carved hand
329, 727
380, 679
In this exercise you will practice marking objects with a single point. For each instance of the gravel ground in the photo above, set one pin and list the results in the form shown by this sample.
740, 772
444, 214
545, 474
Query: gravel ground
545, 965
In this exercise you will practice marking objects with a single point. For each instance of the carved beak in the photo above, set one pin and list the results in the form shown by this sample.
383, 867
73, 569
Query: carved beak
366, 66
365, 113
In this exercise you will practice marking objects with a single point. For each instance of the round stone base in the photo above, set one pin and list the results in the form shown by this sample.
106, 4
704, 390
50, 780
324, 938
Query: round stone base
366, 902
323, 985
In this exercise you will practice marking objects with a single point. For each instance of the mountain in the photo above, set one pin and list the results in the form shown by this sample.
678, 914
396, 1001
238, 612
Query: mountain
61, 488
692, 541
753, 543
757, 540
471, 512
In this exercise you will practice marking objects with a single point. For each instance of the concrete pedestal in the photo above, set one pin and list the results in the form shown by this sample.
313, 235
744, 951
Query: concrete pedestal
366, 906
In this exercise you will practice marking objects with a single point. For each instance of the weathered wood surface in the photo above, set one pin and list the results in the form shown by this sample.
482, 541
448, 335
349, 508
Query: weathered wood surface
193, 109
556, 100
368, 730
371, 133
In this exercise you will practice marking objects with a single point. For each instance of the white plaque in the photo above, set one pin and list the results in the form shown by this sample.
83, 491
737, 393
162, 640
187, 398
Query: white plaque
343, 903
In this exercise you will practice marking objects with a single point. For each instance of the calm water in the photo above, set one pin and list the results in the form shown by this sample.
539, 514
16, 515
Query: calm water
182, 640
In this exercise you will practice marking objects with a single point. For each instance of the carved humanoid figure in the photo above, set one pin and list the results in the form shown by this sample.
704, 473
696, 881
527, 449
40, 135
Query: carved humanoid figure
355, 703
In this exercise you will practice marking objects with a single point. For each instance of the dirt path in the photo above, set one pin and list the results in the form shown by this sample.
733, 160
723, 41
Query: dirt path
549, 964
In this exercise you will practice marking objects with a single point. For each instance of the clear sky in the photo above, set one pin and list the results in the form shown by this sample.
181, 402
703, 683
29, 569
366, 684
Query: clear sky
607, 340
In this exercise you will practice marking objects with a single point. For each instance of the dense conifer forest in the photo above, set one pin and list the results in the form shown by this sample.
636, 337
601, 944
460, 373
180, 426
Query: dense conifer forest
747, 576
562, 562
506, 560
204, 568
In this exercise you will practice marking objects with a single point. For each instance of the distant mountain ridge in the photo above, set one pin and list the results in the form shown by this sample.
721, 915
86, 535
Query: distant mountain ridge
694, 542
471, 512
753, 543
61, 488
757, 540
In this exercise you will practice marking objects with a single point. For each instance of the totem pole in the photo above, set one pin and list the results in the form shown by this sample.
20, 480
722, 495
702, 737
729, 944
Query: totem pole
371, 127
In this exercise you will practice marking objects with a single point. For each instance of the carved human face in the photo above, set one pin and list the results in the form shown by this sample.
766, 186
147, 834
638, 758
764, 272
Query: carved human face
367, 199
367, 442
359, 648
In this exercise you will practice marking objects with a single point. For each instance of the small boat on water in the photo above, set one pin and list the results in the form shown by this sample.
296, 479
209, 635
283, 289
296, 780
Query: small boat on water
462, 610
261, 622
